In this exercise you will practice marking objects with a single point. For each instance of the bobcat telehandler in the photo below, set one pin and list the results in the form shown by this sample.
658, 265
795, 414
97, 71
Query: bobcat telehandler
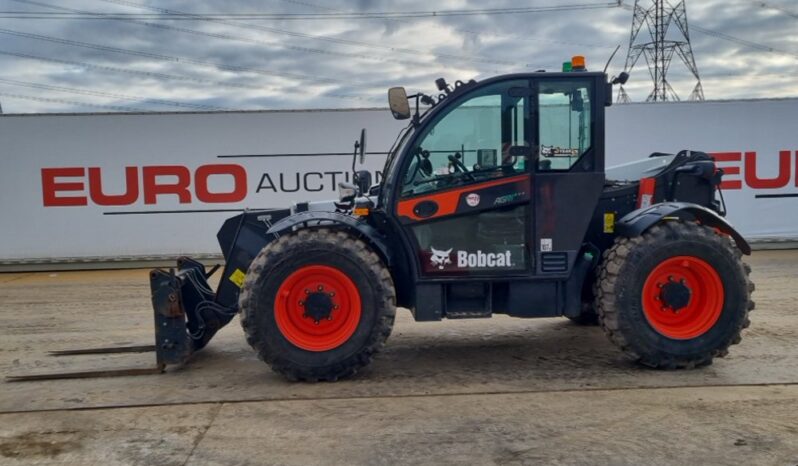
493, 201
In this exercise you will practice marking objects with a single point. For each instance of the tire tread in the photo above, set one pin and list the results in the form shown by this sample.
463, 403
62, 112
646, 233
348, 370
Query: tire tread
609, 278
383, 285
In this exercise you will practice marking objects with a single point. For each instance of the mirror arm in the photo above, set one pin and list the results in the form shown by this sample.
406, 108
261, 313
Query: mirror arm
354, 155
416, 116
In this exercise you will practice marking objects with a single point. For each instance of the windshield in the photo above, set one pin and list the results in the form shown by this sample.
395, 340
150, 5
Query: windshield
483, 135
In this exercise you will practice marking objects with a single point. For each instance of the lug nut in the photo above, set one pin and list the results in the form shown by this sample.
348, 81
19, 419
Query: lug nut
307, 291
332, 294
335, 307
321, 288
301, 303
316, 321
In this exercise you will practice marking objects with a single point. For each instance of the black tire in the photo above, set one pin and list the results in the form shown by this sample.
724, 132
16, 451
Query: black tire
622, 275
308, 247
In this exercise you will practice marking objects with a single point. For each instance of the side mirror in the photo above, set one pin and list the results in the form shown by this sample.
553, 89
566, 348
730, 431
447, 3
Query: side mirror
362, 146
621, 78
397, 100
363, 181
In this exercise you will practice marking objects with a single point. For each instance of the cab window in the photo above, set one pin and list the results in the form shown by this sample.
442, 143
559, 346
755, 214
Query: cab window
471, 141
565, 119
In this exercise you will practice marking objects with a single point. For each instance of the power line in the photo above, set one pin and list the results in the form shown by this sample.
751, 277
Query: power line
310, 16
516, 38
770, 6
236, 38
335, 40
175, 59
167, 58
152, 74
170, 103
148, 74
71, 102
747, 43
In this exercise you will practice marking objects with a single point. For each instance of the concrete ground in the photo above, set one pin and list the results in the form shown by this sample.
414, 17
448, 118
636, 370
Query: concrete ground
494, 391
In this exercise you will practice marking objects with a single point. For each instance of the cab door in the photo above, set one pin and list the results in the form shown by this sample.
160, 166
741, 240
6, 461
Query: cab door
466, 185
569, 174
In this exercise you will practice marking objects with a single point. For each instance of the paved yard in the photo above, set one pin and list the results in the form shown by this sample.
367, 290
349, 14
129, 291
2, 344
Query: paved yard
495, 391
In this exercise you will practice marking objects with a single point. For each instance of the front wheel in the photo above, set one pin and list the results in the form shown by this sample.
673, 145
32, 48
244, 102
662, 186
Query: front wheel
317, 304
676, 296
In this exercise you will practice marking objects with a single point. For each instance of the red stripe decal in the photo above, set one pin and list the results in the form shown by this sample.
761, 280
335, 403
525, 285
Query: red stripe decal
447, 200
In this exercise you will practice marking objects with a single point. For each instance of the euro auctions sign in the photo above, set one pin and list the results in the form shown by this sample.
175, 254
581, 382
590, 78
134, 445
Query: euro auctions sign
78, 186
83, 186
752, 141
742, 169
106, 186
100, 186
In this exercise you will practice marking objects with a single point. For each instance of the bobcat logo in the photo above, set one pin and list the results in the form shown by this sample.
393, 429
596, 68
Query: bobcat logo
440, 258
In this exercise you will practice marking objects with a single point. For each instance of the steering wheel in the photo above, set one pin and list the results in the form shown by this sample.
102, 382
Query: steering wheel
420, 166
459, 166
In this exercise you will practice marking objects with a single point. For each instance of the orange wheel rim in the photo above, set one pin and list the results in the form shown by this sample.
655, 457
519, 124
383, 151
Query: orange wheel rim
317, 308
683, 297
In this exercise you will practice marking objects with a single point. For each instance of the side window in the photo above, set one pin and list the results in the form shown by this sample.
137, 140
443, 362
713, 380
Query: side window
564, 110
470, 142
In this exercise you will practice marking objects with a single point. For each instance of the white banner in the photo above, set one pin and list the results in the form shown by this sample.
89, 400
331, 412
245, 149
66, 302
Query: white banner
96, 186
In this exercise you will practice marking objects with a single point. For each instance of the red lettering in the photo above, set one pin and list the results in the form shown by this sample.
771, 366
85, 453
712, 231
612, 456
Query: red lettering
729, 169
131, 191
152, 188
204, 194
781, 180
50, 187
155, 181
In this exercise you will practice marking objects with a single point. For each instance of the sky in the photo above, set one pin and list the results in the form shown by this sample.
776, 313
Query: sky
742, 49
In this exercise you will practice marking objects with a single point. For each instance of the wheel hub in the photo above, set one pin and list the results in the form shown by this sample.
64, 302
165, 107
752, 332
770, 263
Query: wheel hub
318, 306
683, 297
675, 295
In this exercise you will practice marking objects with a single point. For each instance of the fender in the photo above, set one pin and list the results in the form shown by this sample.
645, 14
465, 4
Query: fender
316, 219
637, 222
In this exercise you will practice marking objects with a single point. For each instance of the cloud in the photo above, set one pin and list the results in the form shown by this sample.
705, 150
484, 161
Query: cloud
351, 62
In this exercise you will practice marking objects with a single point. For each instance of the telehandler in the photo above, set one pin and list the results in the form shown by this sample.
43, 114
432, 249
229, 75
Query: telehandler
494, 200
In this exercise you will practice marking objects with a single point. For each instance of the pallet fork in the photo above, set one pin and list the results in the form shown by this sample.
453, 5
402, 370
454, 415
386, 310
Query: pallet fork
185, 315
186, 310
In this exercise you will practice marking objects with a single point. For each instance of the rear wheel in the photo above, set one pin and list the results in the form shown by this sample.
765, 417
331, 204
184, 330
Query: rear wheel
317, 304
676, 296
